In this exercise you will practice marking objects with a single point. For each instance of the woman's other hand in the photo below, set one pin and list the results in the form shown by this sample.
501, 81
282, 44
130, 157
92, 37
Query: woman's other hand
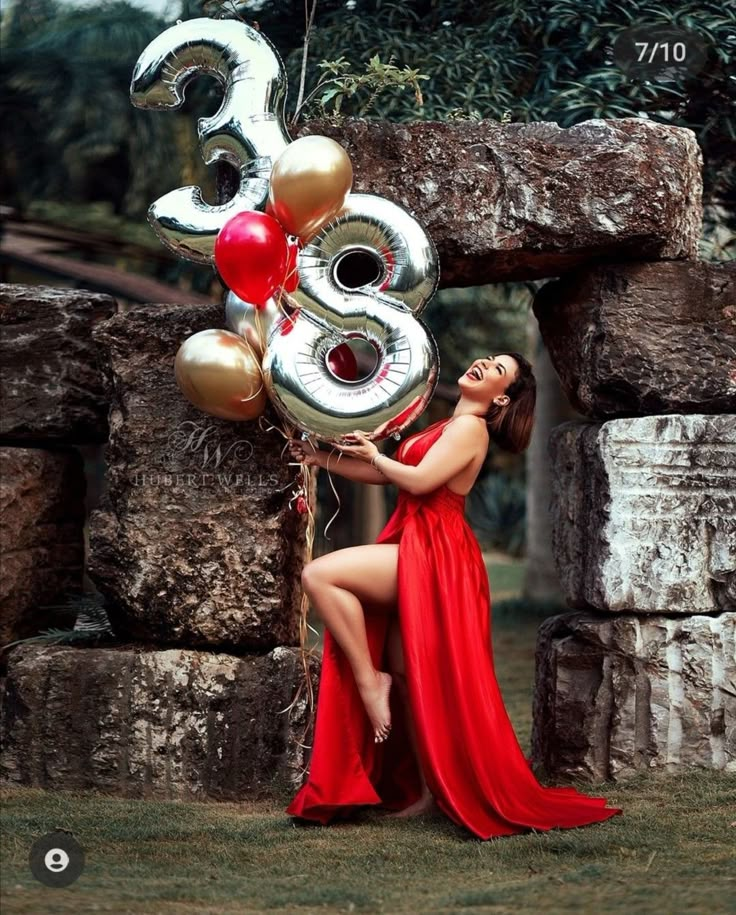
363, 450
304, 452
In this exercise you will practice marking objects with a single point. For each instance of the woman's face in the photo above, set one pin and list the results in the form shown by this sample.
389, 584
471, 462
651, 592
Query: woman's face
487, 379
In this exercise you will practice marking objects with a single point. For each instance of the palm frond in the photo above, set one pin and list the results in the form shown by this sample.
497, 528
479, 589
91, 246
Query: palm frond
91, 622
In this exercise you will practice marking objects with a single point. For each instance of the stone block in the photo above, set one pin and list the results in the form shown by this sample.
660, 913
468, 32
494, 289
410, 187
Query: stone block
42, 515
170, 724
639, 339
51, 387
644, 513
522, 201
615, 695
194, 543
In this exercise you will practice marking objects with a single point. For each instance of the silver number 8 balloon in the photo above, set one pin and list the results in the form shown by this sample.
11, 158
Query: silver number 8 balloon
366, 275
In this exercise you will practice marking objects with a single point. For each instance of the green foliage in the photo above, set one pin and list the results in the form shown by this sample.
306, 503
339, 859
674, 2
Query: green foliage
64, 82
338, 84
538, 61
497, 509
65, 73
91, 622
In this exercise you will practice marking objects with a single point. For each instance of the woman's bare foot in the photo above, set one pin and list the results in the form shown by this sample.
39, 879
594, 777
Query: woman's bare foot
425, 804
375, 700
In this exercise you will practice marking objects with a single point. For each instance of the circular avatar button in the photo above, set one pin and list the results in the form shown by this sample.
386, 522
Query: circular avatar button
56, 859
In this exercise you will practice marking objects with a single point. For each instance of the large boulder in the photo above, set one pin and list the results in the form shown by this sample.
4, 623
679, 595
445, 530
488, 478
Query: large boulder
637, 339
194, 543
41, 537
644, 513
51, 386
169, 723
522, 201
615, 695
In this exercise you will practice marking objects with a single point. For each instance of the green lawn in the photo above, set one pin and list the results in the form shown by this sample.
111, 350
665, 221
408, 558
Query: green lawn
506, 575
671, 852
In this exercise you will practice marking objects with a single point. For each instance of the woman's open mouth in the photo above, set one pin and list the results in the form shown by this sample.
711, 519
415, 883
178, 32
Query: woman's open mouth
475, 373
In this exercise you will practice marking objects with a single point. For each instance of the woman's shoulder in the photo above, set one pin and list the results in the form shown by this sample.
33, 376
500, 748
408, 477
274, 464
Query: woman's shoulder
470, 421
470, 427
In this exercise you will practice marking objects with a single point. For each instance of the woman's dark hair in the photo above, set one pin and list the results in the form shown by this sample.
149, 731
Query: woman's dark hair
510, 427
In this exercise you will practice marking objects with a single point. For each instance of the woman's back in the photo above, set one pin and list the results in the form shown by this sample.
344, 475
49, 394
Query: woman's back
416, 446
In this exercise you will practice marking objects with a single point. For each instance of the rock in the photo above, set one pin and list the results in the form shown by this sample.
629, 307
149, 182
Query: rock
194, 543
41, 537
168, 724
637, 339
618, 694
522, 201
51, 386
644, 513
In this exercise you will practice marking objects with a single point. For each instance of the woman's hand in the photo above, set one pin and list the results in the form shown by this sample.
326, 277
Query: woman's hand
304, 452
363, 450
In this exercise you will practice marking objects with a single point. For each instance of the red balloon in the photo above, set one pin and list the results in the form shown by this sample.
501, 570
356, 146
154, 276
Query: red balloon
251, 254
292, 274
342, 362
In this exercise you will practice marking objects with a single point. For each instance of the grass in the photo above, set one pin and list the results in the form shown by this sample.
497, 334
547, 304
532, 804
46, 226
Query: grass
505, 573
671, 852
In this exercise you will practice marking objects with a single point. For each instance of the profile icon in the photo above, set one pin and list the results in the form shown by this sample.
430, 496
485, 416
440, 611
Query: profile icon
56, 859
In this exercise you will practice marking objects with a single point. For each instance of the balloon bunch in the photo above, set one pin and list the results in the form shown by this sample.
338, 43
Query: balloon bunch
312, 269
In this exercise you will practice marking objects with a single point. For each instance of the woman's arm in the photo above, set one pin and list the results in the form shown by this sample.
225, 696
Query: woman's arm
336, 462
455, 448
351, 468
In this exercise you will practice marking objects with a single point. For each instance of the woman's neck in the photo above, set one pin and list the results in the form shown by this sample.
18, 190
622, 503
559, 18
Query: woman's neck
463, 407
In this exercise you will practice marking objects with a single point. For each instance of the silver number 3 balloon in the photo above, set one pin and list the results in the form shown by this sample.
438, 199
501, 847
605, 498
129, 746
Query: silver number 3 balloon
247, 130
366, 275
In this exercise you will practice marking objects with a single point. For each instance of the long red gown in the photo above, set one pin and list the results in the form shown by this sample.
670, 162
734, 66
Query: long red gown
471, 758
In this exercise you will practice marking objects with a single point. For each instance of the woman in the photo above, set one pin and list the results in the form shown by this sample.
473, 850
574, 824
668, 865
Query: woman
418, 603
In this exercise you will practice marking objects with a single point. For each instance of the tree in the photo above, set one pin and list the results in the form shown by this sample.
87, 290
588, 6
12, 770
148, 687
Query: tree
64, 85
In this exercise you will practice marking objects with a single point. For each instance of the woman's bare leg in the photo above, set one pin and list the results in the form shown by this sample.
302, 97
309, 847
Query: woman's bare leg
395, 652
336, 584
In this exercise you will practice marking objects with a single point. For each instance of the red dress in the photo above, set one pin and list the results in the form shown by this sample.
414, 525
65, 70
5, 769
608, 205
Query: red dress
470, 755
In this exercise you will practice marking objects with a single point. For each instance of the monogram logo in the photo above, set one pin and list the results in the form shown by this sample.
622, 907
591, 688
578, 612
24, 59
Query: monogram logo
202, 440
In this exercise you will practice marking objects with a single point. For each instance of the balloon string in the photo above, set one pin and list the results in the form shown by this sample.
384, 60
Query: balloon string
278, 298
278, 302
252, 396
305, 653
305, 467
259, 329
304, 627
257, 359
329, 477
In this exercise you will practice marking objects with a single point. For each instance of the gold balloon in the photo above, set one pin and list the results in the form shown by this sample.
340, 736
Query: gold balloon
217, 371
310, 181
